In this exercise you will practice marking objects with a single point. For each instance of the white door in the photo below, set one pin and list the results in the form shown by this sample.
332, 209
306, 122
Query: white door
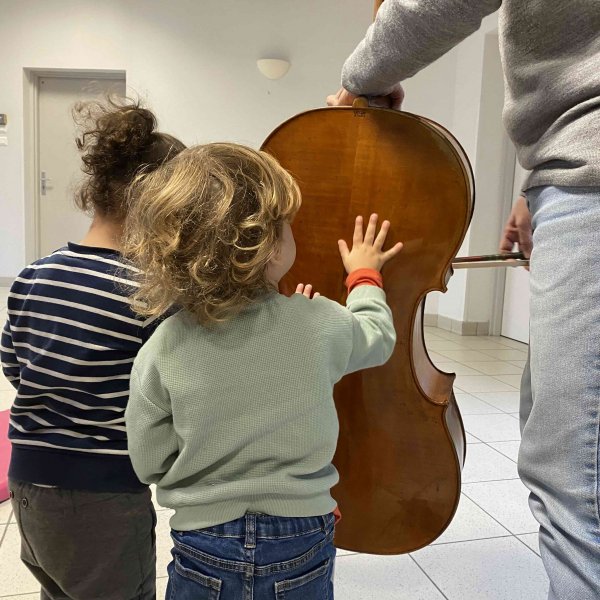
58, 219
515, 312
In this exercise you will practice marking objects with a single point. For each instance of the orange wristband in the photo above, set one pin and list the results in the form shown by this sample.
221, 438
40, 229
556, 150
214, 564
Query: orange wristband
364, 277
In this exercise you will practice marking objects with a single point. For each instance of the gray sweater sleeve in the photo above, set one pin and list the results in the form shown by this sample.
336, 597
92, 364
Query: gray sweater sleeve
408, 35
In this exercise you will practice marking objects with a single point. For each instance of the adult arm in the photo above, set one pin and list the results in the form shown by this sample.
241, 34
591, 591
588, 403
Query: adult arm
408, 35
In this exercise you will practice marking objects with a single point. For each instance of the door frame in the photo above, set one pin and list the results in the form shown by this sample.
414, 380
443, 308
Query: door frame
500, 276
31, 146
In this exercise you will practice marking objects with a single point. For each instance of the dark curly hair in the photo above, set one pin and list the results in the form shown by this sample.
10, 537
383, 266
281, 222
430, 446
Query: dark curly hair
118, 140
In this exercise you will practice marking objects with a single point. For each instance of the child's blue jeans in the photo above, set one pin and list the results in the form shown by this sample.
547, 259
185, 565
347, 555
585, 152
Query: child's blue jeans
256, 557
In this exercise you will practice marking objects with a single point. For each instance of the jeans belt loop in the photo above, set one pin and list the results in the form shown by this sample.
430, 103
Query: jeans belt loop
250, 541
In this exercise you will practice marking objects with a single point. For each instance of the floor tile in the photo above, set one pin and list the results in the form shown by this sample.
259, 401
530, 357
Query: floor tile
475, 343
5, 514
514, 380
455, 367
505, 401
4, 291
518, 363
444, 345
481, 383
531, 540
7, 386
161, 587
508, 354
506, 501
448, 335
514, 344
14, 575
496, 367
471, 523
370, 577
467, 355
469, 405
509, 449
493, 428
471, 439
163, 543
495, 569
436, 358
486, 464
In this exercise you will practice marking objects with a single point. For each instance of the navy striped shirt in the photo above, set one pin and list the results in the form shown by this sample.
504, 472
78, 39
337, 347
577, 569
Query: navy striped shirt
68, 347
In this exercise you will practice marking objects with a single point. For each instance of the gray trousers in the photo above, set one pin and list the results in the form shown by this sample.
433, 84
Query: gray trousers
559, 457
86, 545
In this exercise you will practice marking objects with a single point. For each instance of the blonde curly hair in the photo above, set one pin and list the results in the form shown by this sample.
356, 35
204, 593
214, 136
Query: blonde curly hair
203, 227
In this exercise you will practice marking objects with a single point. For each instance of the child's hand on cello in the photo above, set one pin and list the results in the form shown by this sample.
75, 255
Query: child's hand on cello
367, 251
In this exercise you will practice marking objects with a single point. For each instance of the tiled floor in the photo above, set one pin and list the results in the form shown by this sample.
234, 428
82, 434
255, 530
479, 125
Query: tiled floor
489, 552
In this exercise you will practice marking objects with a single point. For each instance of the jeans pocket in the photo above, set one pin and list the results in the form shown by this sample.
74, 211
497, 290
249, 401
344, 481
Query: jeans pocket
316, 585
190, 584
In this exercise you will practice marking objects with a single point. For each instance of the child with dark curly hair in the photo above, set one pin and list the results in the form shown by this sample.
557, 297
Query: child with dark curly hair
86, 521
231, 411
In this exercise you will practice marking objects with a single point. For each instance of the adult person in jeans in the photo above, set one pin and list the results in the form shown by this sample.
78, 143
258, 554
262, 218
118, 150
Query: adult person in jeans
551, 57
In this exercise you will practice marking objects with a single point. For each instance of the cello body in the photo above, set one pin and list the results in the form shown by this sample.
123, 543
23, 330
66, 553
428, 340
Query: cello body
401, 441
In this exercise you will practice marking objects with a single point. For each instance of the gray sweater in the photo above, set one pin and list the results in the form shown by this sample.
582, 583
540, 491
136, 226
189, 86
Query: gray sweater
551, 55
241, 417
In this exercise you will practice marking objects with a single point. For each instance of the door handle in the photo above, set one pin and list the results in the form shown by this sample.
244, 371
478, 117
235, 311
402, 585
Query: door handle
44, 183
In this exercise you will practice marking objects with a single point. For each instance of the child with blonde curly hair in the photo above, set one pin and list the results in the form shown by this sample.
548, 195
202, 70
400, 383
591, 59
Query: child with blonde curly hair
231, 412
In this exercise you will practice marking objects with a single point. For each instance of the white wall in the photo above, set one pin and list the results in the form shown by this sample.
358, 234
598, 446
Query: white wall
195, 62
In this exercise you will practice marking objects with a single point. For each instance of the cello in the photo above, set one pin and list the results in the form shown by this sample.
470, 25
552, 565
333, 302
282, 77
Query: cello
401, 443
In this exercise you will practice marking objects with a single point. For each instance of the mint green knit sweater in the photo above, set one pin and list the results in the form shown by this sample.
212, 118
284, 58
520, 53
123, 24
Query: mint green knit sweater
241, 417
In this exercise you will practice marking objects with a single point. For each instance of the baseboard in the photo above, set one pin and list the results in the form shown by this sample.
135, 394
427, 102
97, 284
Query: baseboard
430, 320
456, 326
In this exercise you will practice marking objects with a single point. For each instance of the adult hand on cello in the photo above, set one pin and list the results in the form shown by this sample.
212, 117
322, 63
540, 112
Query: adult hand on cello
518, 229
367, 252
391, 100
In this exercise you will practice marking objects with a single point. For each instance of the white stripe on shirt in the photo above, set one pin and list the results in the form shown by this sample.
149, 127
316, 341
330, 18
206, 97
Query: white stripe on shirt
79, 324
69, 377
70, 359
23, 442
105, 396
97, 258
60, 338
114, 424
67, 432
72, 286
69, 401
78, 306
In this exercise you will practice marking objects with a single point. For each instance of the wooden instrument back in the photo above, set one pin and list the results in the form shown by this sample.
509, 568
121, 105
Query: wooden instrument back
401, 445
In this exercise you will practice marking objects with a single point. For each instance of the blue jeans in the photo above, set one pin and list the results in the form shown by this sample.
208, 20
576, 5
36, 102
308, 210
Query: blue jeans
560, 395
256, 557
